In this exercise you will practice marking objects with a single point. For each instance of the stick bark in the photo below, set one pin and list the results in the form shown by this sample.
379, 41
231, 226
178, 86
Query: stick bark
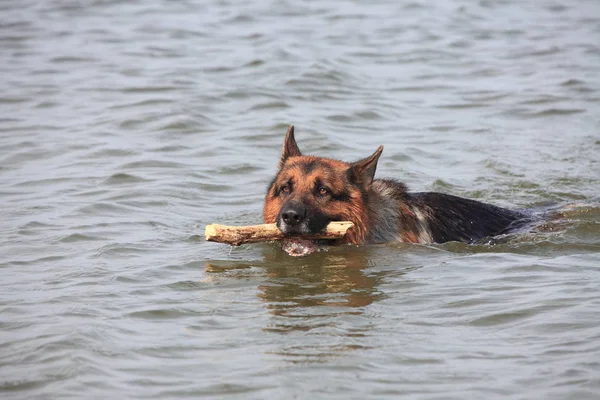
236, 235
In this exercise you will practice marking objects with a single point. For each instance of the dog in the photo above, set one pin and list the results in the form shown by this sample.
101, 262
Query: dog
308, 192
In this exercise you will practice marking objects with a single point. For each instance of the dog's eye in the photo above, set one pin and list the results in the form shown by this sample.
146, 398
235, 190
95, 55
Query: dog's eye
286, 189
323, 191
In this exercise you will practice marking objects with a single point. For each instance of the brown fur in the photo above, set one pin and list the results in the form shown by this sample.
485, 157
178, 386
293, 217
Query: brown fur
334, 178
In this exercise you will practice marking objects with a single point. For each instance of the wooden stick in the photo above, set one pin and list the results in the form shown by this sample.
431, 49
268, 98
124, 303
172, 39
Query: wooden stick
236, 235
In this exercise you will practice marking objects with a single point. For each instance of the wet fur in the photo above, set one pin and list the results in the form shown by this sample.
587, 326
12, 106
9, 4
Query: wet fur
381, 209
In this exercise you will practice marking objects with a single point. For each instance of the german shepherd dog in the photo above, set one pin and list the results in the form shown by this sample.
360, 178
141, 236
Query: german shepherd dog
308, 192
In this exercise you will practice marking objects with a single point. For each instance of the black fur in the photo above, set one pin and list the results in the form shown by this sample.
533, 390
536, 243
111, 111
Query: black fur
309, 166
453, 218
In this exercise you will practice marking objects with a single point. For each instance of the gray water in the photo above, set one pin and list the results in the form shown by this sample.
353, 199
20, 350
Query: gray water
126, 127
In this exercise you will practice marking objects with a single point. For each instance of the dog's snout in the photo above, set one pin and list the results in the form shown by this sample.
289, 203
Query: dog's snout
293, 214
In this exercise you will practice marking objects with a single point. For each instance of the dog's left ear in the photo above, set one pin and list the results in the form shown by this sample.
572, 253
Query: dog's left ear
290, 148
363, 171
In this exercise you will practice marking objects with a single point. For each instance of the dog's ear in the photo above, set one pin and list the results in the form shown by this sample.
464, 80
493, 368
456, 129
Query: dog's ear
363, 171
290, 148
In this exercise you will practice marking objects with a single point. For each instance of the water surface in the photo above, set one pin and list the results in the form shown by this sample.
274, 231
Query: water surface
126, 128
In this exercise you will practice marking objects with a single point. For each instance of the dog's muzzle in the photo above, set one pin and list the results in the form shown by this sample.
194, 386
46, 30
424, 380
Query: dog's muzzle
293, 219
296, 218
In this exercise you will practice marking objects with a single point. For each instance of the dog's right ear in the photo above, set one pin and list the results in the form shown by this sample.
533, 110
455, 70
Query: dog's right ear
363, 171
290, 148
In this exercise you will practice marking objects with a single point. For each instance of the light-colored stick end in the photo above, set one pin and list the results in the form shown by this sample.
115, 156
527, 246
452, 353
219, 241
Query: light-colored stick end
210, 232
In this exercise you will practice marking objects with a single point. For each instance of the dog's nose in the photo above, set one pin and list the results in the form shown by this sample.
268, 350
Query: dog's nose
293, 215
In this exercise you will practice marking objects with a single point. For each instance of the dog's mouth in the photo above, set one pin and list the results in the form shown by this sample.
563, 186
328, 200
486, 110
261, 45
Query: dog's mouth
297, 247
294, 244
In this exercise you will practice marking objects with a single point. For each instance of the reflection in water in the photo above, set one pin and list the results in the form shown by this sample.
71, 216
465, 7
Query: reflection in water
313, 298
319, 299
327, 279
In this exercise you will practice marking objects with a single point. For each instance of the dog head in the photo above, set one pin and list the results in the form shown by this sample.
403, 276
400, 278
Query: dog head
308, 192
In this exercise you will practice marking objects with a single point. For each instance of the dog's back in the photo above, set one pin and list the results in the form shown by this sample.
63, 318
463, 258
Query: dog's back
428, 217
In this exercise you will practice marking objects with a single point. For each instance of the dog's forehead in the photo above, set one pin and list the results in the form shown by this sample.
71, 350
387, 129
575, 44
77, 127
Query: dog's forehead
310, 168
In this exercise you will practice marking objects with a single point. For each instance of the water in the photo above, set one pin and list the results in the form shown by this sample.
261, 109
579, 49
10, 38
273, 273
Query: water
126, 128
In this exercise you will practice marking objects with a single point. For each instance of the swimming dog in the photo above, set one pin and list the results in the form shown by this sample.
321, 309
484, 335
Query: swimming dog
308, 192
